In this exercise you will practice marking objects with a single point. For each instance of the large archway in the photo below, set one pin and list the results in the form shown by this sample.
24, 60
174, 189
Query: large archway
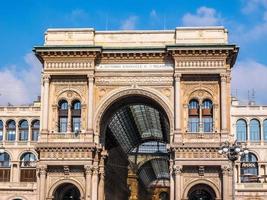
201, 192
67, 191
135, 131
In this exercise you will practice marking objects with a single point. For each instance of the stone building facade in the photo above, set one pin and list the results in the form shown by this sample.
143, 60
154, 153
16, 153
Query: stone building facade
126, 115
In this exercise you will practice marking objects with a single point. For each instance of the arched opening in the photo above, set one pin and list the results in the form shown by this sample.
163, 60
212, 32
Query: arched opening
241, 130
201, 192
28, 167
1, 130
23, 130
4, 167
254, 127
76, 116
67, 191
193, 116
207, 115
35, 130
135, 131
249, 168
11, 130
62, 116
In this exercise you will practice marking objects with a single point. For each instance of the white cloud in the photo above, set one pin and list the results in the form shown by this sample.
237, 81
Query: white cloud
20, 86
252, 5
129, 23
249, 75
204, 16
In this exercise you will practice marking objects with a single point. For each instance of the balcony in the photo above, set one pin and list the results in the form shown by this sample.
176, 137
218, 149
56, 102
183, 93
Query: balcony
67, 137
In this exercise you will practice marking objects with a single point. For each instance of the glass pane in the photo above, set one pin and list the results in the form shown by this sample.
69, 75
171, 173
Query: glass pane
193, 124
77, 105
207, 124
76, 124
63, 105
11, 135
35, 134
23, 135
207, 104
11, 124
1, 135
4, 160
63, 124
1, 125
23, 124
193, 104
254, 130
241, 130
265, 129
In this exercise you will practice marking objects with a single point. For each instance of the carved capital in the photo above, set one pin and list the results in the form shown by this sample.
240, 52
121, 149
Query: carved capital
42, 170
224, 77
90, 77
46, 78
177, 169
95, 170
177, 77
225, 169
88, 169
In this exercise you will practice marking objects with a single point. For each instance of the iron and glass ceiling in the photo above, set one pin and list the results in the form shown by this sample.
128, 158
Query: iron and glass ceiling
142, 130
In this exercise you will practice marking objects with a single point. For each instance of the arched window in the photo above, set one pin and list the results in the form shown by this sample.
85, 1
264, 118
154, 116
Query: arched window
63, 116
241, 130
76, 116
28, 170
249, 168
11, 130
265, 129
254, 127
28, 160
193, 109
1, 130
207, 116
35, 130
4, 167
4, 160
23, 130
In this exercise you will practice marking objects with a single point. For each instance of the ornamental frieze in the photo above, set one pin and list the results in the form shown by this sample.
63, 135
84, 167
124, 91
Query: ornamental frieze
68, 65
134, 80
200, 64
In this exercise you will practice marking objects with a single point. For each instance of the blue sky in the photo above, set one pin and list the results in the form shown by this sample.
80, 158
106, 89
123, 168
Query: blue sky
23, 23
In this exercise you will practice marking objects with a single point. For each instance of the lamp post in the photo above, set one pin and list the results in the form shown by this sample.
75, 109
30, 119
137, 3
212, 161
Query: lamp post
232, 151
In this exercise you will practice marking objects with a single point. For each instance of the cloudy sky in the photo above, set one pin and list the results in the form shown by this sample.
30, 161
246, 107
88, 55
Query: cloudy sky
23, 23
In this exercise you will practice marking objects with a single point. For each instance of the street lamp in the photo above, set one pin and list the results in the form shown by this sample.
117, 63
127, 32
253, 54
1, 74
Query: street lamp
232, 151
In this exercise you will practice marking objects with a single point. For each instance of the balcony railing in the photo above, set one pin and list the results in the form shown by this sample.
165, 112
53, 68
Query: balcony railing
28, 164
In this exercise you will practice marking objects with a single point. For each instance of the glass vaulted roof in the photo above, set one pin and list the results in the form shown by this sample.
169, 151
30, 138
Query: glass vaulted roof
142, 132
155, 169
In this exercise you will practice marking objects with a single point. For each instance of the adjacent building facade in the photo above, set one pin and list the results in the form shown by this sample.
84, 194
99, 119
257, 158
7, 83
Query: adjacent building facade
132, 115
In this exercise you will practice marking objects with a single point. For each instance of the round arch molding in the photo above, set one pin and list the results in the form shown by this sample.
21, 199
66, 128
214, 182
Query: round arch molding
118, 94
204, 182
57, 184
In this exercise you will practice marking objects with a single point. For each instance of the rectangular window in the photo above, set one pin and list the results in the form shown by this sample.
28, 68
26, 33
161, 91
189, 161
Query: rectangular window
1, 135
11, 135
4, 175
23, 135
193, 124
35, 134
28, 175
63, 124
76, 124
207, 124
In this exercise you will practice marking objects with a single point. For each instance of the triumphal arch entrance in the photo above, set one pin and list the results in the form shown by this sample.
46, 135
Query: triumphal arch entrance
135, 115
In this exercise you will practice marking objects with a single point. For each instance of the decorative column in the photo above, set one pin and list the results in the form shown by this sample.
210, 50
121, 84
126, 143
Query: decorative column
177, 104
261, 132
4, 131
90, 104
101, 191
171, 181
30, 133
223, 102
17, 133
94, 194
133, 184
69, 119
177, 178
45, 102
42, 183
225, 173
88, 181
